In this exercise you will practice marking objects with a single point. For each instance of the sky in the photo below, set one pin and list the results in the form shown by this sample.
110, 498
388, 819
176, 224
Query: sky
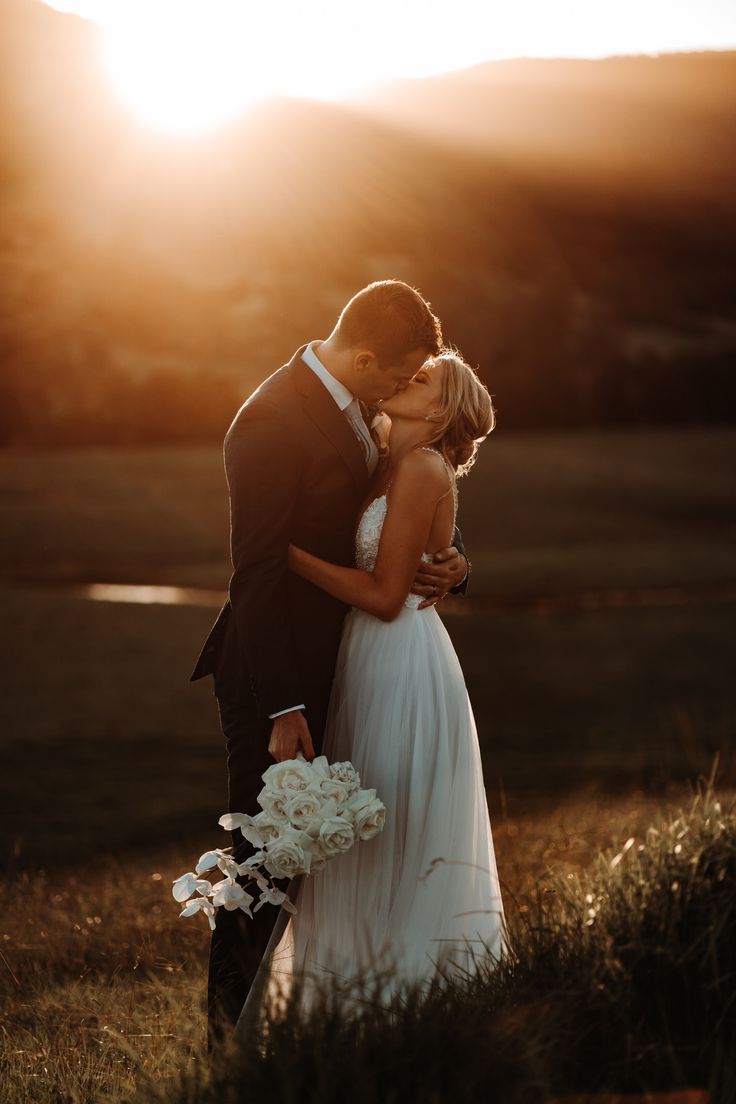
241, 51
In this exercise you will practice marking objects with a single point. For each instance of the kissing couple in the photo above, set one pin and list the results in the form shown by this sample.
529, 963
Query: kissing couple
330, 644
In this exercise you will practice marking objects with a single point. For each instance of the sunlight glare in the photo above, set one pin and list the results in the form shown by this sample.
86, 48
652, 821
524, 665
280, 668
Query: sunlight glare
184, 69
187, 65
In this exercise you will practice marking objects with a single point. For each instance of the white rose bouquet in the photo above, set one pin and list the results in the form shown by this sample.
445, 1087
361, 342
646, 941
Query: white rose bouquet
310, 812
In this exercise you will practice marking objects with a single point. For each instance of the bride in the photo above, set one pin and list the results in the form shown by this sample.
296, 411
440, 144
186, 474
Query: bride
422, 900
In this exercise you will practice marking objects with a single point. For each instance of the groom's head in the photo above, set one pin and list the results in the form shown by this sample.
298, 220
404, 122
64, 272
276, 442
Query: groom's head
382, 338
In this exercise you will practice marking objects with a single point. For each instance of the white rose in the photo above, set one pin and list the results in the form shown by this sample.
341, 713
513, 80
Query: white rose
320, 767
302, 808
335, 788
359, 799
326, 807
273, 803
369, 819
346, 773
288, 776
260, 830
335, 835
285, 859
289, 854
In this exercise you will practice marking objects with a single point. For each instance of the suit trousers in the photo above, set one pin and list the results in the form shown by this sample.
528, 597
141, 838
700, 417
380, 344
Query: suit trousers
238, 941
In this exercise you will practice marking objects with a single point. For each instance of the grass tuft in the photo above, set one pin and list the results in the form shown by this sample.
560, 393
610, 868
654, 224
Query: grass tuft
619, 978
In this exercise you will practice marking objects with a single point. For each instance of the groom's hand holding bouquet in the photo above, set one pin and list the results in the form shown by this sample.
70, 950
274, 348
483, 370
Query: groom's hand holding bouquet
290, 735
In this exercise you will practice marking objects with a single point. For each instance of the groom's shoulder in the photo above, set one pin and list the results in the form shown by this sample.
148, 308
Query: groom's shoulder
275, 397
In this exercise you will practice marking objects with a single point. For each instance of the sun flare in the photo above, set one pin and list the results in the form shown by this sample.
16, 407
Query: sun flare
187, 73
188, 65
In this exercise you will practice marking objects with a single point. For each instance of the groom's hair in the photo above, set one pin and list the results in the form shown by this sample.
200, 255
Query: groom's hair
391, 319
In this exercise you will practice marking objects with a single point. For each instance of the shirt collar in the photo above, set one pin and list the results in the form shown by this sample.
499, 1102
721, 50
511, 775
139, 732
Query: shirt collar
338, 390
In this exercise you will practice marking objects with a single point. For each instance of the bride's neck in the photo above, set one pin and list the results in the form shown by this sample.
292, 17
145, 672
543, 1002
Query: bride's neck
405, 436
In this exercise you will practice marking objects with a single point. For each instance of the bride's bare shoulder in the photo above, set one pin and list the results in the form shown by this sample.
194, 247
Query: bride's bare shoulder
422, 469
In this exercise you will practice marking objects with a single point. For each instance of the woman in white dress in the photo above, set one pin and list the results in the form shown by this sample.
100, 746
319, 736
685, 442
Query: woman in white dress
422, 900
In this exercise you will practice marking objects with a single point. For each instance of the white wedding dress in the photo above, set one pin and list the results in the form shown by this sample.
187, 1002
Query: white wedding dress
423, 895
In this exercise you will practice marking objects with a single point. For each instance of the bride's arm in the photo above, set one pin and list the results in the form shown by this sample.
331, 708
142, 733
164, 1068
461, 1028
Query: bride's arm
420, 481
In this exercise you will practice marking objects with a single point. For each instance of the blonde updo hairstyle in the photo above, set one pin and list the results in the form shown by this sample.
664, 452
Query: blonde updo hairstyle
466, 414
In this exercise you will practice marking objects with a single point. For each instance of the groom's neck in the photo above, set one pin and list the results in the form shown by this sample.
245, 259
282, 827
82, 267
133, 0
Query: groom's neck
338, 362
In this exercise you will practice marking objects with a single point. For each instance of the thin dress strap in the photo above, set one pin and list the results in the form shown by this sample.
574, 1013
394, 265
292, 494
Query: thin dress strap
450, 472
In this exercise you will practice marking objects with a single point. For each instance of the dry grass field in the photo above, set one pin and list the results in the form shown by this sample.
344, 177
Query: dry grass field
104, 986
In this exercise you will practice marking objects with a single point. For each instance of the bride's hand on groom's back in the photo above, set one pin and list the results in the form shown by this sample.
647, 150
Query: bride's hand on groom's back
290, 734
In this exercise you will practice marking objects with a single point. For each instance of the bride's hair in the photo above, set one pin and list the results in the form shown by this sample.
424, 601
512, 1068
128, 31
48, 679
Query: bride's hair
466, 414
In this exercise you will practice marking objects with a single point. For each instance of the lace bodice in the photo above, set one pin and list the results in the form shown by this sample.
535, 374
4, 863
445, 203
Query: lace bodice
368, 536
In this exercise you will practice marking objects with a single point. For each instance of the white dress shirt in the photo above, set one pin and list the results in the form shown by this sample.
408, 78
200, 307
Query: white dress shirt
347, 403
342, 396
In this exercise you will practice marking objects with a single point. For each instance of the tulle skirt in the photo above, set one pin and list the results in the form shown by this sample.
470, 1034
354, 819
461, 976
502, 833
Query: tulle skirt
420, 901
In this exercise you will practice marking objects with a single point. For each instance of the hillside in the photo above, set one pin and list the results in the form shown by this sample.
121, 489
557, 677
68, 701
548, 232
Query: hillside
572, 223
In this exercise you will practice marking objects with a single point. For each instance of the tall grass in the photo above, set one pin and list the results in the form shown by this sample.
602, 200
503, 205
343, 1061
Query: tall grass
620, 977
615, 980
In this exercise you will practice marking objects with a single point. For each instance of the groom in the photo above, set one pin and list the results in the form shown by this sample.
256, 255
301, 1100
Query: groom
299, 457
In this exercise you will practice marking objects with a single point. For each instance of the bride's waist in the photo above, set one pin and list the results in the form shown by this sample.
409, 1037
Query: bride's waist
406, 612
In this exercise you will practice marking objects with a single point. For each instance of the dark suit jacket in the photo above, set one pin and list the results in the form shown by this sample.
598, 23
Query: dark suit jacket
295, 473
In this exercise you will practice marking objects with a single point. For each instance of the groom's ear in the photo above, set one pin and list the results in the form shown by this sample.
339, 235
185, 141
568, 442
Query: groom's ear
364, 360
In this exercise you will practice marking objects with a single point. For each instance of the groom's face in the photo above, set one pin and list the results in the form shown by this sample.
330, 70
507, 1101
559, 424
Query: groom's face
376, 380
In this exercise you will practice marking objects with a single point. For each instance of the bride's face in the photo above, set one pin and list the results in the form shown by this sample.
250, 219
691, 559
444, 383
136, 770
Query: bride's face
421, 397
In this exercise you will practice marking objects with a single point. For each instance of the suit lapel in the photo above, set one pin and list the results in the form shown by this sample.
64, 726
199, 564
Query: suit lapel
320, 406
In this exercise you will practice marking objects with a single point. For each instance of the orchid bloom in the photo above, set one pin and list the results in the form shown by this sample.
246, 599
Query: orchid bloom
188, 884
273, 896
230, 895
198, 904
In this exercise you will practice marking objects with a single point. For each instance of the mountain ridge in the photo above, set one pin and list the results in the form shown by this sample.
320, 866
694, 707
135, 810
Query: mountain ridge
581, 255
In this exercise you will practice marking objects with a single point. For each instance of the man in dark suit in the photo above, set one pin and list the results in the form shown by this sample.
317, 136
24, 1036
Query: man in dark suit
299, 458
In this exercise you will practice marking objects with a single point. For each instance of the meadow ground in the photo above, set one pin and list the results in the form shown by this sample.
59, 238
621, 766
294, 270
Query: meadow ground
104, 986
597, 644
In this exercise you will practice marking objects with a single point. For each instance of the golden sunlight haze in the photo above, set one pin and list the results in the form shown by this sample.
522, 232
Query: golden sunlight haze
188, 67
